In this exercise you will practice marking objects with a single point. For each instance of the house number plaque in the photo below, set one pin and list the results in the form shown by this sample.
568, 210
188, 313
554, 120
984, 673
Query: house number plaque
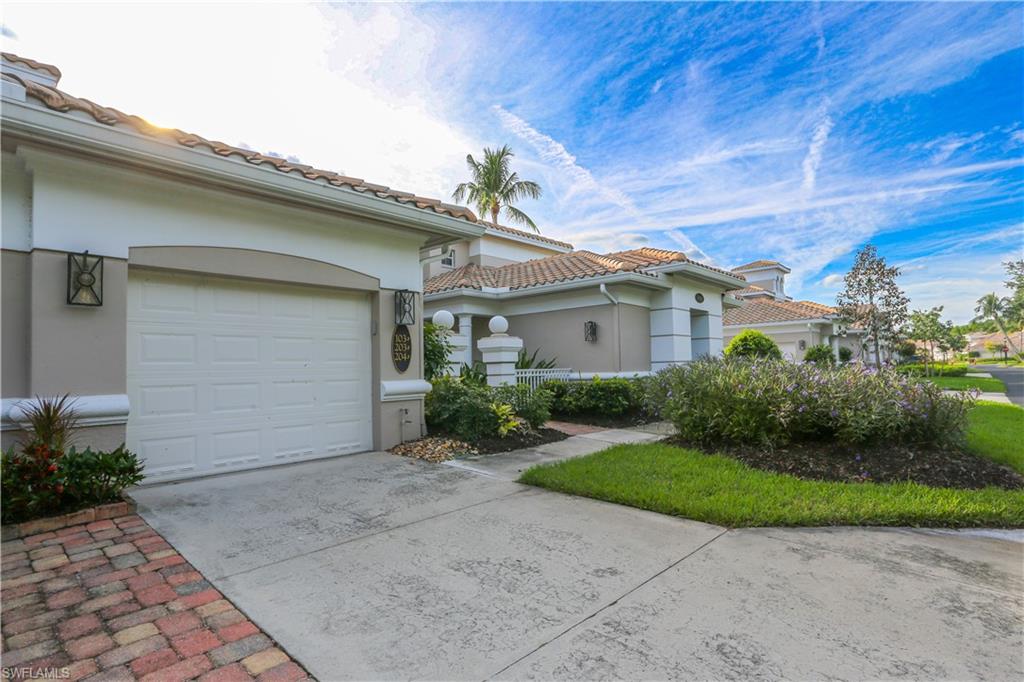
401, 348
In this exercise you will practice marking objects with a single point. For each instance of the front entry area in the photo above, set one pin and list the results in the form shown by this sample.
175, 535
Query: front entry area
228, 374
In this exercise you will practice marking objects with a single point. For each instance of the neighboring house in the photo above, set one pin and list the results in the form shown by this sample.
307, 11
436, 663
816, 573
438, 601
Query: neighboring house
794, 325
246, 309
991, 344
620, 313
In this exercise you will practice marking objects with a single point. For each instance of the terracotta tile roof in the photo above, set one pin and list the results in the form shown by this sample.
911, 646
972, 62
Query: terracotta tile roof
61, 101
32, 64
563, 267
759, 311
527, 235
758, 264
749, 290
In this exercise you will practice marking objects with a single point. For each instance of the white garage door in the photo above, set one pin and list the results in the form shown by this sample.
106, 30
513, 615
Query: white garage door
226, 374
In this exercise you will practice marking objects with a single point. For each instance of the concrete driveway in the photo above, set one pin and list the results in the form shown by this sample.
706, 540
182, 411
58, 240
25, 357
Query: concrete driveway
378, 567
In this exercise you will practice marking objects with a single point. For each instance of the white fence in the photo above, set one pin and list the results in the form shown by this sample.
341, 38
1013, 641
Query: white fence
535, 377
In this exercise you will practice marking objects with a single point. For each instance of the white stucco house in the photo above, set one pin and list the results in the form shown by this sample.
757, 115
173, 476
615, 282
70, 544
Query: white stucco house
794, 325
215, 308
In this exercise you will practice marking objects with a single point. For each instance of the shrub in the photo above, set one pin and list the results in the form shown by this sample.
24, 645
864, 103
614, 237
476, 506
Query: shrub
845, 354
38, 481
820, 355
436, 349
43, 477
534, 407
752, 343
974, 354
607, 397
935, 369
474, 374
526, 361
772, 403
473, 411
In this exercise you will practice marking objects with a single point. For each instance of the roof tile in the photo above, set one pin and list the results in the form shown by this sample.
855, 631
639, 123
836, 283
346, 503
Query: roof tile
59, 100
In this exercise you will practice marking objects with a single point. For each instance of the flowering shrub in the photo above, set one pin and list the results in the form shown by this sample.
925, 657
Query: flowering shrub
752, 343
39, 481
773, 402
46, 476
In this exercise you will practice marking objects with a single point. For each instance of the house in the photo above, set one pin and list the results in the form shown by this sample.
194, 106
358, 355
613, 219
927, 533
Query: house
612, 314
794, 325
991, 344
216, 308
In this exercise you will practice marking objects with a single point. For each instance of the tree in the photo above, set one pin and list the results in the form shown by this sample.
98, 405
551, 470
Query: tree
991, 307
872, 300
1015, 283
927, 327
495, 187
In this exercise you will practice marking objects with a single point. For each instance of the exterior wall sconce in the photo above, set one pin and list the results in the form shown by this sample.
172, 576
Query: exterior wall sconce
803, 344
85, 279
405, 307
590, 331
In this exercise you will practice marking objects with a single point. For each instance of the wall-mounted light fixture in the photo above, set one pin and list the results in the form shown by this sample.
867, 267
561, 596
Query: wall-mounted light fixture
405, 307
590, 331
803, 344
85, 279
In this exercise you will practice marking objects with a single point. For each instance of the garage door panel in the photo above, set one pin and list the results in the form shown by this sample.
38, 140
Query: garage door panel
230, 375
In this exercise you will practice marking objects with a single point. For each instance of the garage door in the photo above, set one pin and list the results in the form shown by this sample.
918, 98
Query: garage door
227, 374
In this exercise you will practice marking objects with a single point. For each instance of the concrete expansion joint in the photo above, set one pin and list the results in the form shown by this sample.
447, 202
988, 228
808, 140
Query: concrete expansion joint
608, 605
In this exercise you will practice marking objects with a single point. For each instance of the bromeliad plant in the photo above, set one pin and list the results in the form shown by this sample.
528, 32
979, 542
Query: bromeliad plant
45, 475
772, 403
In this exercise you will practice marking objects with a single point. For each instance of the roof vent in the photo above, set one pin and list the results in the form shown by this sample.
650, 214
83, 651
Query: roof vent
30, 70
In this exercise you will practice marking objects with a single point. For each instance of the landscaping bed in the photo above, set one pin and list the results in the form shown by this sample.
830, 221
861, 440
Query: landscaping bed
443, 447
952, 468
622, 421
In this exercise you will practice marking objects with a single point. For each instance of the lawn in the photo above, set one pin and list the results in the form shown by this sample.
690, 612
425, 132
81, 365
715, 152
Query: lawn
986, 384
724, 491
997, 432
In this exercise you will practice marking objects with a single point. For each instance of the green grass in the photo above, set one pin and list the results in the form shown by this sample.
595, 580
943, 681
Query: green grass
724, 491
967, 383
997, 432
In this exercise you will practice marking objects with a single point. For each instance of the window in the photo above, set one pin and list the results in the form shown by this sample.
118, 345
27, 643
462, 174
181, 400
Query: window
448, 260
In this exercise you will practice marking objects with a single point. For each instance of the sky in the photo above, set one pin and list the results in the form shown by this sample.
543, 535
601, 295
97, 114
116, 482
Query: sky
791, 131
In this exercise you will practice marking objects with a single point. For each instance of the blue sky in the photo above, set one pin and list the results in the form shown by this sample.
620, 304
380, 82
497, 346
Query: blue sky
732, 131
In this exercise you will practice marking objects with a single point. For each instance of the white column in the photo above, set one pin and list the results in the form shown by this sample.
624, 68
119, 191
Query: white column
670, 330
466, 332
500, 352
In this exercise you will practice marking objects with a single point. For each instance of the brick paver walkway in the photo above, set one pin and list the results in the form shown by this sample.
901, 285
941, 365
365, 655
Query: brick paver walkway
112, 600
574, 429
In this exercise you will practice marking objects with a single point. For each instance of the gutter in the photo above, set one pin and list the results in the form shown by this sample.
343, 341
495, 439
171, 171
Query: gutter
701, 272
83, 138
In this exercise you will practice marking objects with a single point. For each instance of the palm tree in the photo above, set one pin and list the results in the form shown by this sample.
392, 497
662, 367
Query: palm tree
991, 307
495, 187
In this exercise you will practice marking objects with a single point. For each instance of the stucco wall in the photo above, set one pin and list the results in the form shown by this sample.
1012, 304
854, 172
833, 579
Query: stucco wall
495, 251
51, 348
15, 268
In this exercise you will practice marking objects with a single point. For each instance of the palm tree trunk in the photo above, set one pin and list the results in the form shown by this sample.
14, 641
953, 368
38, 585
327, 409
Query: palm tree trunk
495, 209
1009, 341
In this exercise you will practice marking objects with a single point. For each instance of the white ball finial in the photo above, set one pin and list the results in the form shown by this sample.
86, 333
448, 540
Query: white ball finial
443, 319
498, 325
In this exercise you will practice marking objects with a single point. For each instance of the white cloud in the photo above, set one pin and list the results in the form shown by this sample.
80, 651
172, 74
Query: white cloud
814, 151
832, 280
299, 79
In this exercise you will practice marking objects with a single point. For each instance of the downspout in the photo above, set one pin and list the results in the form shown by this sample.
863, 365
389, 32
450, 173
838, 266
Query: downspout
618, 326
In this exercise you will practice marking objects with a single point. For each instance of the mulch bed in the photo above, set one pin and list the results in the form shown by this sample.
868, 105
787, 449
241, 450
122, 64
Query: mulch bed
442, 447
876, 464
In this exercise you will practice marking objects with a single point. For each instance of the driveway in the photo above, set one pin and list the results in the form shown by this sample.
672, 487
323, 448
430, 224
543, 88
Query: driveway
1013, 377
377, 567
